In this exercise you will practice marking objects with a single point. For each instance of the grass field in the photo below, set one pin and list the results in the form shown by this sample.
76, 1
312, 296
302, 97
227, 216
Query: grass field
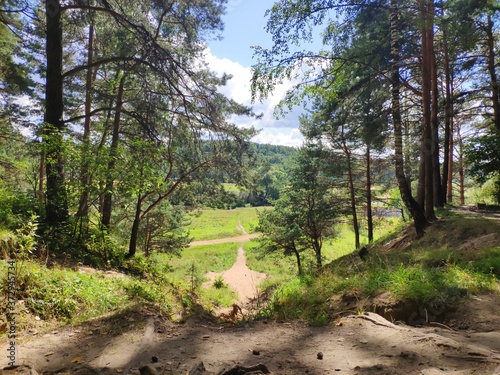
344, 243
210, 224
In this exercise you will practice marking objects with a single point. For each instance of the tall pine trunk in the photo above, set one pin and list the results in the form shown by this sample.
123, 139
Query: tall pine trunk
425, 194
461, 169
413, 207
113, 155
83, 206
369, 213
56, 208
448, 125
436, 176
352, 192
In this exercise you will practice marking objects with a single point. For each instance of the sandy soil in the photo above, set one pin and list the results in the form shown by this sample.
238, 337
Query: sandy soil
359, 344
240, 278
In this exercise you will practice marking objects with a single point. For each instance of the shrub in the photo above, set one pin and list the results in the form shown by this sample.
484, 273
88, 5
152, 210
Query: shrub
219, 283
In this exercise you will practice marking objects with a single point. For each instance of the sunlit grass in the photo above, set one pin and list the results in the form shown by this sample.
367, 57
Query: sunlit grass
343, 243
213, 223
431, 271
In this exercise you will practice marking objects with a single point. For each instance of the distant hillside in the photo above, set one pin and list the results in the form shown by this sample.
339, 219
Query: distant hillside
273, 154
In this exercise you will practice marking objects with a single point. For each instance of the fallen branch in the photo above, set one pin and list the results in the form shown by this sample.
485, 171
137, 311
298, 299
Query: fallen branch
375, 319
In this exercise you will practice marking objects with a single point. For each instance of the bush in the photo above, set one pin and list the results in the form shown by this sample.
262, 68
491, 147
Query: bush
219, 283
16, 208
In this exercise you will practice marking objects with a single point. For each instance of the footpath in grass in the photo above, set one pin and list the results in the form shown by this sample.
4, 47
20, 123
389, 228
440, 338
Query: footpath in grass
210, 224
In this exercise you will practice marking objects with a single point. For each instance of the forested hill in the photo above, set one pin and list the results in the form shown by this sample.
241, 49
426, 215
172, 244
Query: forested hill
273, 154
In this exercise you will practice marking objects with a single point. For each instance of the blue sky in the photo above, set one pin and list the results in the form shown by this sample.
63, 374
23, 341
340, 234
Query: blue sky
244, 27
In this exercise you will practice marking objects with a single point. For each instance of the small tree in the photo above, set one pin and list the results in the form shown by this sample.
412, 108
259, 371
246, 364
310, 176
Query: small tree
304, 214
281, 232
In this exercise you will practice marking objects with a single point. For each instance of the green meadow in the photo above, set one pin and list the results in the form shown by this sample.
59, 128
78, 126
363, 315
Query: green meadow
209, 224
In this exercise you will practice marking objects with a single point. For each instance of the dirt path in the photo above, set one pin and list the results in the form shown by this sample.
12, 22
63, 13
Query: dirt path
356, 345
237, 239
240, 278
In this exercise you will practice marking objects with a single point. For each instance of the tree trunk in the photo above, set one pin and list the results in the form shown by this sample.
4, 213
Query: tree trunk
448, 118
369, 214
461, 172
41, 177
132, 246
493, 76
83, 207
449, 189
317, 251
113, 154
352, 193
297, 256
407, 156
413, 207
425, 195
56, 209
436, 176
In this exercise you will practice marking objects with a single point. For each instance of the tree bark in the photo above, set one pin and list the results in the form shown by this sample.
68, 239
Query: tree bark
41, 177
425, 194
419, 220
448, 125
83, 207
352, 193
407, 155
56, 196
113, 154
134, 234
436, 176
461, 172
317, 250
369, 213
297, 256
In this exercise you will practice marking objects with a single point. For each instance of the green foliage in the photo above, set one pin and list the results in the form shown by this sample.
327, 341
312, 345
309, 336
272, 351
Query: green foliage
163, 230
144, 267
16, 207
150, 292
13, 73
65, 294
195, 277
304, 215
483, 156
20, 245
219, 283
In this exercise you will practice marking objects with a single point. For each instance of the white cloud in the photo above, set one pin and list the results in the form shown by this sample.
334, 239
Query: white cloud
274, 136
282, 131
